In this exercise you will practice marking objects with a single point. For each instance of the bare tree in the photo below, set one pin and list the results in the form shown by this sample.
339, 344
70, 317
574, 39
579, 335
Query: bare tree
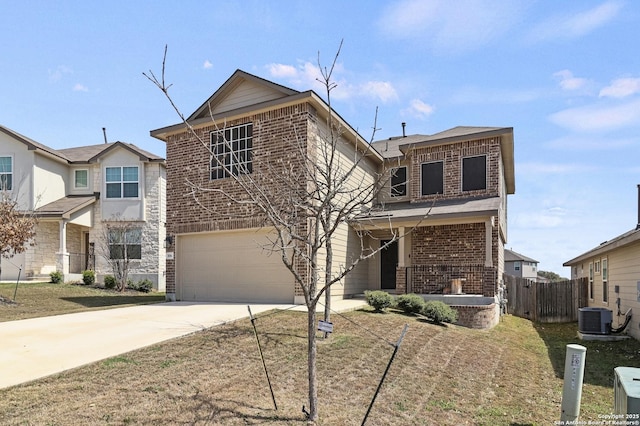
120, 245
17, 228
307, 195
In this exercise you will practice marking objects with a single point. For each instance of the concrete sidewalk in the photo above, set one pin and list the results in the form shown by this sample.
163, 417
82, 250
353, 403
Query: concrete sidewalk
34, 348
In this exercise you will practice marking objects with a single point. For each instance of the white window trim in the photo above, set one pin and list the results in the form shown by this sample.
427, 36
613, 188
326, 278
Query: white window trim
605, 279
75, 181
591, 292
13, 170
122, 181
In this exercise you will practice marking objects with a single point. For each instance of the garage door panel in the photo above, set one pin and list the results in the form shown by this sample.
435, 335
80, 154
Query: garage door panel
232, 267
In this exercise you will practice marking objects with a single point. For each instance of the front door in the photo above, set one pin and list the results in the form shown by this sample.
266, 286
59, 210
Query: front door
388, 264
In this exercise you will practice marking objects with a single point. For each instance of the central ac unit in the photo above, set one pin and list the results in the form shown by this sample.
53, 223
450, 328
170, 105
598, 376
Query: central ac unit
626, 390
595, 320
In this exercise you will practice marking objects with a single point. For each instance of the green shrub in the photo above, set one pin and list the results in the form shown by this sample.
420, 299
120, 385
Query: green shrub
109, 281
410, 303
144, 285
56, 277
439, 312
88, 277
378, 299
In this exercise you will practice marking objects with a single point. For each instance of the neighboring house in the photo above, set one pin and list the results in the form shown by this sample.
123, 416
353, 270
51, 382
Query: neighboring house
613, 270
75, 192
519, 265
459, 178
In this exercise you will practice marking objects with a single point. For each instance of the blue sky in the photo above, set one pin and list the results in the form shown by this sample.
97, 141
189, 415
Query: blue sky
564, 75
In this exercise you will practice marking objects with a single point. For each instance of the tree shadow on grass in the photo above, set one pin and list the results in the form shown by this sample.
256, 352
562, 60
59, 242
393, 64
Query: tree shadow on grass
601, 357
104, 301
220, 411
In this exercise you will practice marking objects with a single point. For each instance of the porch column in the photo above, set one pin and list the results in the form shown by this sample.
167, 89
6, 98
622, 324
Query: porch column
62, 264
401, 271
488, 226
401, 248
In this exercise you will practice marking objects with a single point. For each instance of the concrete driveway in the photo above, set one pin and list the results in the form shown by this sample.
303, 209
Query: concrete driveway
34, 348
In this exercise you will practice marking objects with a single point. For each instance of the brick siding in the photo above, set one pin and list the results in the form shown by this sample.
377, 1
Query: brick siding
204, 209
452, 156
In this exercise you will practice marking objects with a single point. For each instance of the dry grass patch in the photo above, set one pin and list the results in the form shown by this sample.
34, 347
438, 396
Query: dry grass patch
43, 299
441, 376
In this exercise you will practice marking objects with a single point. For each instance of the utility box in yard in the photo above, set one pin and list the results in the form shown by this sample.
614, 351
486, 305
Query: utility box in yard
626, 390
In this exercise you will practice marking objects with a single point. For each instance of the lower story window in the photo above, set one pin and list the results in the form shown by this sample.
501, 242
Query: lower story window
125, 243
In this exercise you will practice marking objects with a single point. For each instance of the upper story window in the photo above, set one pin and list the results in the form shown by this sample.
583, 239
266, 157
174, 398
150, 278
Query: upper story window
6, 173
516, 265
474, 173
432, 178
232, 151
399, 182
81, 179
122, 182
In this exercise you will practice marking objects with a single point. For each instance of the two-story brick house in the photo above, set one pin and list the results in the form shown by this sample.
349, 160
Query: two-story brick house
446, 201
450, 191
75, 193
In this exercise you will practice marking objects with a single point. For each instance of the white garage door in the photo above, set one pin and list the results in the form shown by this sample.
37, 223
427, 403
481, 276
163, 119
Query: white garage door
231, 267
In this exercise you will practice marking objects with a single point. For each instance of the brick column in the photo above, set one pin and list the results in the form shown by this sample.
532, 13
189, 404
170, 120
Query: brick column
401, 280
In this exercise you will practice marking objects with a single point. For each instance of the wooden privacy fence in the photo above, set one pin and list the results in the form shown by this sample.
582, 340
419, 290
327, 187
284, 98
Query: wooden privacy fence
545, 302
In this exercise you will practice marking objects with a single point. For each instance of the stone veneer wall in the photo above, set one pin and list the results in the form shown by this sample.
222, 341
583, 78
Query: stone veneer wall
152, 264
41, 259
188, 159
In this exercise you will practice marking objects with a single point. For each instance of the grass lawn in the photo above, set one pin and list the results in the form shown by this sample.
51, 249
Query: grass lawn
510, 375
43, 299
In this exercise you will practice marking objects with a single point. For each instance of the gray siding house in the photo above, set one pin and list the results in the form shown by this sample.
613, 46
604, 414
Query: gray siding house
519, 265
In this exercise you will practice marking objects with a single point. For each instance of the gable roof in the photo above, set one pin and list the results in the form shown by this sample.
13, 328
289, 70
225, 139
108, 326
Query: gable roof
512, 256
33, 145
91, 153
238, 78
398, 146
219, 107
81, 154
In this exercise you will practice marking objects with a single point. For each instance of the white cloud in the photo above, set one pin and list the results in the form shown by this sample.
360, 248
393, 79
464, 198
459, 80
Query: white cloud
450, 25
583, 143
78, 87
382, 90
308, 76
569, 82
207, 65
282, 70
418, 108
577, 24
598, 117
621, 88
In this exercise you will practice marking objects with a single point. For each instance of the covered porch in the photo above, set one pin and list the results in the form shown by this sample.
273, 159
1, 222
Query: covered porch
437, 248
62, 238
